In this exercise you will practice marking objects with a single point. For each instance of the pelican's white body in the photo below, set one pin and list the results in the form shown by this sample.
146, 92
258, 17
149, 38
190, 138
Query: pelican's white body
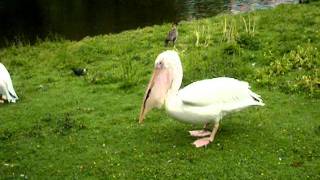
209, 100
6, 87
206, 100
201, 102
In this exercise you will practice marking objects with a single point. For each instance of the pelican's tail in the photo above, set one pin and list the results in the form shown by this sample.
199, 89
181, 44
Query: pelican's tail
13, 97
11, 94
257, 99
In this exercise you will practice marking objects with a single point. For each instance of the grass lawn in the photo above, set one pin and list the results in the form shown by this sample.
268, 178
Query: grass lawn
82, 127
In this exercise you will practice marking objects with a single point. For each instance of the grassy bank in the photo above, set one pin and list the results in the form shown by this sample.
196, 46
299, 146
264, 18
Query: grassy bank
78, 127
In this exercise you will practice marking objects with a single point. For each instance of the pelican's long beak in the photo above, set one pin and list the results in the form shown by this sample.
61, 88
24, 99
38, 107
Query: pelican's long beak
157, 90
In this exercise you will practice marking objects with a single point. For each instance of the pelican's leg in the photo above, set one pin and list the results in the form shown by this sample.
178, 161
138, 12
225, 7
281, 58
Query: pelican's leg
205, 141
200, 133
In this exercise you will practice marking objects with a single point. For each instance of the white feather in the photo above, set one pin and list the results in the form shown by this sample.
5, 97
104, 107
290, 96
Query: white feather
209, 100
222, 90
6, 87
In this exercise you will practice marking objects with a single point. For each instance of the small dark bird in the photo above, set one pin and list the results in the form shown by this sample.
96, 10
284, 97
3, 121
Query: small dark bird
172, 35
79, 71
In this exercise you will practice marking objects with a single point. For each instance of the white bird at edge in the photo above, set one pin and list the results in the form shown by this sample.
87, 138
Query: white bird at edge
6, 88
201, 102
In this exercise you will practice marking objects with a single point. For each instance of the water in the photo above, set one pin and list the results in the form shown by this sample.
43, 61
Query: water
27, 21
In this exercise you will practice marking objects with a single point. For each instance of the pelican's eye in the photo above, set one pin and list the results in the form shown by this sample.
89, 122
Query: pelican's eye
160, 65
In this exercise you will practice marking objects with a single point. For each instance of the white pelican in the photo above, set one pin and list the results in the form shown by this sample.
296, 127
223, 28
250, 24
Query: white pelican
6, 88
201, 102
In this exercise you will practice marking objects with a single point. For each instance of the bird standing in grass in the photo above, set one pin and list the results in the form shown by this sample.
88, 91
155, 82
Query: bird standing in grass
7, 92
201, 102
172, 35
79, 71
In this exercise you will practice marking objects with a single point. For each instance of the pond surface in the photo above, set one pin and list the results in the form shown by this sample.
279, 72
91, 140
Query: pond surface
74, 19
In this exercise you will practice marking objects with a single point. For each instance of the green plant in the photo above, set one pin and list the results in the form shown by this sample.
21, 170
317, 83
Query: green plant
303, 58
203, 36
248, 41
231, 49
310, 84
250, 25
302, 67
230, 31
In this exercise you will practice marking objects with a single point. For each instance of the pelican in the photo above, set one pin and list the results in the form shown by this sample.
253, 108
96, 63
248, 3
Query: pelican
201, 102
6, 88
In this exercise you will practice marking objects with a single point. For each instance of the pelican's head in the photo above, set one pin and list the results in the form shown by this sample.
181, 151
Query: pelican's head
167, 76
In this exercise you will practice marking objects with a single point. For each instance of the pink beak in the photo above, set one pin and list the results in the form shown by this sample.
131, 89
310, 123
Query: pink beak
157, 90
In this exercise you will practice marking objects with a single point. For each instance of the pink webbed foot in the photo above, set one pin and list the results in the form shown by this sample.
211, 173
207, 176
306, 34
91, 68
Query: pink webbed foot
201, 142
199, 133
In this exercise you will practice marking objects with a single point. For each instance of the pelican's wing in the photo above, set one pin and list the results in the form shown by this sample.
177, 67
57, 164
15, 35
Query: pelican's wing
5, 77
219, 91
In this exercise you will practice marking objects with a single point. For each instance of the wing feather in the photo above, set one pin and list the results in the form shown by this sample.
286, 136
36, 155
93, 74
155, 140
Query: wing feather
218, 91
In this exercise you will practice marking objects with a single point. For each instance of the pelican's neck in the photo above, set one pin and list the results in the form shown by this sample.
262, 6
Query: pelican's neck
177, 74
171, 97
172, 100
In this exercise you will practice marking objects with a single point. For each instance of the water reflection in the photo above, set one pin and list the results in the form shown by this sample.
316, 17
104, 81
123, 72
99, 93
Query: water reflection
194, 9
237, 6
75, 19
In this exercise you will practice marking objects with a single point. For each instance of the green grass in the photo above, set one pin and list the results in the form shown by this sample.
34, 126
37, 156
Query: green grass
81, 127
